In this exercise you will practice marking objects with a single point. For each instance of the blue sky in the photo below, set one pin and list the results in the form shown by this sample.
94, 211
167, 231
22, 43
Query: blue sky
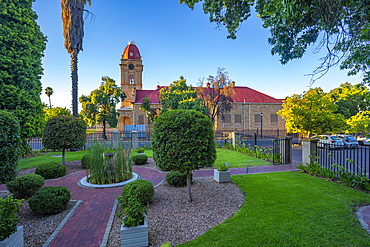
173, 40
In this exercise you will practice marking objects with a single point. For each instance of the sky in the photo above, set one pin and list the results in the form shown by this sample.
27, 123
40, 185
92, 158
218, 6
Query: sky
173, 41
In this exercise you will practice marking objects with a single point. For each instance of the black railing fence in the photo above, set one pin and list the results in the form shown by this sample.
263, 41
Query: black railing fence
356, 160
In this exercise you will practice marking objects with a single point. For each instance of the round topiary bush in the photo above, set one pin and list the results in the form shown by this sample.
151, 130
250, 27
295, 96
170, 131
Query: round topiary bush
143, 188
10, 148
63, 133
140, 159
177, 178
50, 200
25, 186
183, 140
51, 170
86, 161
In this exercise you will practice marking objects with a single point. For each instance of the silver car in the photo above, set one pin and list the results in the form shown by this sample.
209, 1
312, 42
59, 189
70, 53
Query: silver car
365, 141
349, 141
329, 141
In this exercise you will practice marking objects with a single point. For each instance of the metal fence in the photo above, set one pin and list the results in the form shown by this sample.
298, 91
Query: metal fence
356, 160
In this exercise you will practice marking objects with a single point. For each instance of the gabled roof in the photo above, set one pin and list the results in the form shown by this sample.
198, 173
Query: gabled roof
240, 94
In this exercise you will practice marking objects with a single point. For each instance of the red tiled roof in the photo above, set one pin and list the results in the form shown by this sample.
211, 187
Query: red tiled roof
240, 94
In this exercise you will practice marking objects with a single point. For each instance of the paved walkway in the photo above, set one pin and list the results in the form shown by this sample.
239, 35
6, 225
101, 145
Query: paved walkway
87, 225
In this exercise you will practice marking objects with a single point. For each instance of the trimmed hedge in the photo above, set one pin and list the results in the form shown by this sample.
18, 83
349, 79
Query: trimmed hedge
10, 148
143, 188
51, 170
86, 161
177, 178
25, 186
50, 200
140, 159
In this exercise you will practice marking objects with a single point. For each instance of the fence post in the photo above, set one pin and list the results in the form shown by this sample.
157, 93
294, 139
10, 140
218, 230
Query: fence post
234, 138
115, 139
309, 147
135, 141
286, 150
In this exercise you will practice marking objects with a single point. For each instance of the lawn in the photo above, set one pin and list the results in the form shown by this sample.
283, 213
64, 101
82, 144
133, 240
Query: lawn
237, 159
291, 209
47, 157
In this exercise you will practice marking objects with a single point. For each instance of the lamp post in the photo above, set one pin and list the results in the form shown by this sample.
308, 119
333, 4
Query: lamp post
149, 124
261, 123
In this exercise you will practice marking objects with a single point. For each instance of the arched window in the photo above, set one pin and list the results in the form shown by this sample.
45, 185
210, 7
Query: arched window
131, 80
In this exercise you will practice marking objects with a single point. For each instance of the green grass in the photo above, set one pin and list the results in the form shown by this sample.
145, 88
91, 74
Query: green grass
148, 153
237, 159
291, 209
89, 131
45, 158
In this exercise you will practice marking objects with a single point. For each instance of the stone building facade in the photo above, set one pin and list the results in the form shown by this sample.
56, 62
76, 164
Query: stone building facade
245, 116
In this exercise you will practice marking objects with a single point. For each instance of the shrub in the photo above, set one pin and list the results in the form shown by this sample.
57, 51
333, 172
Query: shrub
223, 167
51, 170
64, 132
86, 161
183, 140
140, 150
10, 148
25, 186
140, 159
50, 200
131, 210
8, 209
143, 189
177, 178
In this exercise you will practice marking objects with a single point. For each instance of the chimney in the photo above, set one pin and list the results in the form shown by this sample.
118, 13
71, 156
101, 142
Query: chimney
232, 84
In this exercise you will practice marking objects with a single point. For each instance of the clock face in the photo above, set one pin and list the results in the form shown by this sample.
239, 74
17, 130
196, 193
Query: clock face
131, 66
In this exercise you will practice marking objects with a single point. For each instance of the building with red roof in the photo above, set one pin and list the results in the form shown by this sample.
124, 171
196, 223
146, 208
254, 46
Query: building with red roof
251, 109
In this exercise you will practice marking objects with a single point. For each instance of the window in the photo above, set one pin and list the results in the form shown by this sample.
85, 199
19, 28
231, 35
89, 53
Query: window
238, 120
141, 119
131, 54
131, 79
227, 121
274, 120
257, 120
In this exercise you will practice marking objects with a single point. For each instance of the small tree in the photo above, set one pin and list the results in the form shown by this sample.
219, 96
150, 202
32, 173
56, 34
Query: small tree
49, 91
10, 148
183, 140
64, 132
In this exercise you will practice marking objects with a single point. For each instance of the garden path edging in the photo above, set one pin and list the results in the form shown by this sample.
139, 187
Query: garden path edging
83, 183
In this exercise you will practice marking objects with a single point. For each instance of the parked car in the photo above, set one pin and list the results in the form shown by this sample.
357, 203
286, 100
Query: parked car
330, 141
365, 141
349, 141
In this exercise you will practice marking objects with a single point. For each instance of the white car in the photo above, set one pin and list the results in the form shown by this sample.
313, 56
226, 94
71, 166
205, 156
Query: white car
365, 141
330, 141
349, 141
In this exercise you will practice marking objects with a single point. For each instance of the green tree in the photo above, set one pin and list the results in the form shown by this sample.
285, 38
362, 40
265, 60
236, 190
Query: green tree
183, 140
56, 111
73, 31
21, 49
100, 105
342, 27
351, 99
63, 133
217, 95
49, 91
359, 123
311, 113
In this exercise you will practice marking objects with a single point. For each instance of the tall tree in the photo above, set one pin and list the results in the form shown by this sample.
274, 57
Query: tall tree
311, 113
342, 27
217, 95
100, 105
21, 49
73, 31
351, 99
49, 91
359, 123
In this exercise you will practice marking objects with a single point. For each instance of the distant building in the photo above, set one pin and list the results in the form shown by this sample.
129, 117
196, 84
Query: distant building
245, 115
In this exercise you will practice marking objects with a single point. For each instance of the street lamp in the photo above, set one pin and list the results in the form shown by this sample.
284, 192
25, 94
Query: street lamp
149, 124
261, 123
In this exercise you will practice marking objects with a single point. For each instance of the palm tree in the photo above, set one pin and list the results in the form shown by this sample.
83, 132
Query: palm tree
73, 22
49, 91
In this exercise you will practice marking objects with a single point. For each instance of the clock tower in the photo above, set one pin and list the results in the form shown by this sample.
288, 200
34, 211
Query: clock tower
131, 73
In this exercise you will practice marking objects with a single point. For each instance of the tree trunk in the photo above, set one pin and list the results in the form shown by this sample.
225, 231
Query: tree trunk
49, 102
188, 185
104, 134
64, 156
74, 61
